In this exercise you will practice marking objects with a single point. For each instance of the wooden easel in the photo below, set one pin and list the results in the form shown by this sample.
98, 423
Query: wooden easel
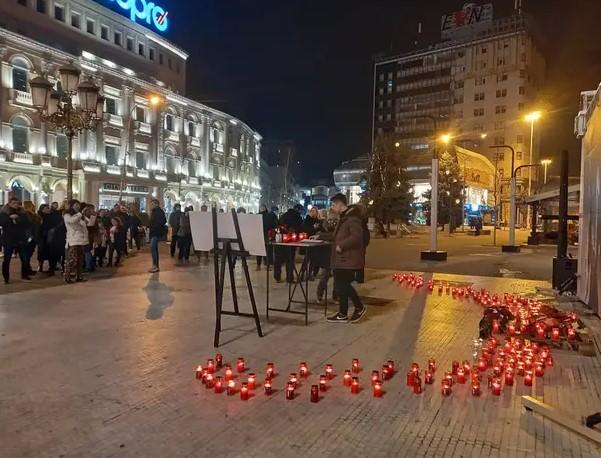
225, 253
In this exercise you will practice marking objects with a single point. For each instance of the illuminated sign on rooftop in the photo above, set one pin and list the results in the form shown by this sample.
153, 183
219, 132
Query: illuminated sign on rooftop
143, 12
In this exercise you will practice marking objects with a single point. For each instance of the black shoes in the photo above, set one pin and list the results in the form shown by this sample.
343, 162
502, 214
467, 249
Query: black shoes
358, 314
337, 318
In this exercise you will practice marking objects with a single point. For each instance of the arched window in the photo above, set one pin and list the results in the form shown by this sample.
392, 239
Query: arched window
20, 74
20, 128
19, 191
217, 133
169, 122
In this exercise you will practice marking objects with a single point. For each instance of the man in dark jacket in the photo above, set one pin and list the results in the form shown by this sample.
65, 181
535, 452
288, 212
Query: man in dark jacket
16, 233
174, 222
270, 222
347, 258
294, 223
157, 231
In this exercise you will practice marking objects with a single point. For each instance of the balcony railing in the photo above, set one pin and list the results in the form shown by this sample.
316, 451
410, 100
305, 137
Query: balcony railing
23, 158
115, 120
194, 141
142, 173
172, 136
143, 127
218, 147
20, 97
113, 169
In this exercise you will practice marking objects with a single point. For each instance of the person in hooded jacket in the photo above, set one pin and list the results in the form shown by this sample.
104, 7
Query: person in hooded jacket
16, 233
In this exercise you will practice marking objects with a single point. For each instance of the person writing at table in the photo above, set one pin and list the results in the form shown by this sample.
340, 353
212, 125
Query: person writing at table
294, 222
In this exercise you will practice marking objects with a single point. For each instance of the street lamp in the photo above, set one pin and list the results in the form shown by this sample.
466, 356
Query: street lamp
57, 108
531, 117
512, 208
546, 163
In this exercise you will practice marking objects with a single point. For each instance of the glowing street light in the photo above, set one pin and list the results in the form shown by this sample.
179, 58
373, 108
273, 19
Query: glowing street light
397, 144
445, 138
483, 136
531, 117
154, 100
546, 163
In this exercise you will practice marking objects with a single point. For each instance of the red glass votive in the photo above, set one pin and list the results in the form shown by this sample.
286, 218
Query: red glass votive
355, 385
482, 364
454, 367
448, 377
203, 375
495, 326
346, 378
528, 378
539, 370
378, 389
329, 371
244, 391
428, 377
267, 387
476, 388
521, 367
511, 330
549, 361
304, 369
460, 375
240, 365
252, 381
355, 366
410, 378
218, 386
323, 382
446, 389
293, 379
432, 365
385, 372
228, 373
290, 391
375, 375
509, 378
496, 387
211, 366
270, 370
540, 332
417, 385
555, 334
218, 360
571, 334
415, 367
391, 366
209, 381
231, 388
199, 372
314, 393
467, 367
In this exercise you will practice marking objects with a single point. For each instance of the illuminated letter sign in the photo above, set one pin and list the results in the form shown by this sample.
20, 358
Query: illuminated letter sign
145, 12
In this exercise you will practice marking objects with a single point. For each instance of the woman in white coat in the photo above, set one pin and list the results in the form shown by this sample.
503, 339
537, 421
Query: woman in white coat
77, 239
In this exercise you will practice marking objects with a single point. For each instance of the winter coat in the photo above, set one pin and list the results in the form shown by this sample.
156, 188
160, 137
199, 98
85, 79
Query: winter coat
15, 232
270, 221
77, 229
309, 225
174, 221
349, 236
157, 223
184, 226
292, 220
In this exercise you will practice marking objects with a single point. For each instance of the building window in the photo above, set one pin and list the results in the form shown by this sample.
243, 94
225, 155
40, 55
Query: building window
104, 32
483, 50
480, 81
140, 114
59, 12
169, 63
161, 58
111, 155
169, 122
479, 96
75, 20
501, 77
91, 26
191, 129
499, 140
501, 61
501, 93
118, 38
520, 106
459, 84
151, 53
20, 128
522, 90
41, 6
20, 79
130, 44
479, 112
500, 109
140, 160
518, 155
61, 146
110, 106
520, 139
141, 49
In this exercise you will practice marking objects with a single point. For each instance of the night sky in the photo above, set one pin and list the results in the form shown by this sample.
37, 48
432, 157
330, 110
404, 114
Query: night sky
302, 69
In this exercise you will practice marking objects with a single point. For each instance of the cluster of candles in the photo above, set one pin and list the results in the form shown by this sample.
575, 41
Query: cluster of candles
530, 315
291, 237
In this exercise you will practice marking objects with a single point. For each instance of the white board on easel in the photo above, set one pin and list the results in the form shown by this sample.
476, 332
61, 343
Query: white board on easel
251, 229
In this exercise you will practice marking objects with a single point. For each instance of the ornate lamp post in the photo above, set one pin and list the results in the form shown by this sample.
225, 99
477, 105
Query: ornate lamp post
59, 110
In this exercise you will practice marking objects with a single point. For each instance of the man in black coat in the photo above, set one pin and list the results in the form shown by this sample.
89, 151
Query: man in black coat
293, 221
174, 222
270, 222
16, 233
157, 230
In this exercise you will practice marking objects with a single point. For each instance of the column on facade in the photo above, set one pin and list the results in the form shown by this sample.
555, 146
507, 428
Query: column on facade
127, 107
206, 145
2, 93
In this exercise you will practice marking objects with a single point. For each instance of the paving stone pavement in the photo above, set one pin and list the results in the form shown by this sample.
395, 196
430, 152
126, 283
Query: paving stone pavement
107, 369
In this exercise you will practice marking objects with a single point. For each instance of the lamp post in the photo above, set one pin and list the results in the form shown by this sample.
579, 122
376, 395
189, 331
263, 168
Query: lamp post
58, 109
511, 248
546, 163
531, 118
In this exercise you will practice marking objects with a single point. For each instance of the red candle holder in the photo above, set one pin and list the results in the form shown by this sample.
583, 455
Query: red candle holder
391, 366
509, 378
511, 330
290, 391
571, 334
446, 388
240, 365
218, 386
555, 334
417, 385
267, 387
323, 382
252, 381
329, 371
410, 378
355, 385
467, 367
228, 373
496, 387
292, 378
270, 372
448, 377
231, 388
496, 370
482, 365
539, 370
209, 381
432, 365
211, 366
454, 367
544, 353
203, 376
549, 361
219, 360
375, 375
460, 376
244, 391
385, 372
528, 378
495, 326
304, 370
314, 393
415, 367
355, 366
521, 367
199, 372
476, 391
378, 389
540, 332
428, 377
346, 378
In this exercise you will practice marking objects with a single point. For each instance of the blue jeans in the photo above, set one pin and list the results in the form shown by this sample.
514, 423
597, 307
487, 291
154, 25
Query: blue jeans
154, 250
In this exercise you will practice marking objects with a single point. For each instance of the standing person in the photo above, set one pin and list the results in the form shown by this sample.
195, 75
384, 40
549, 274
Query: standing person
77, 239
204, 208
101, 239
327, 224
59, 239
311, 226
184, 236
157, 230
16, 232
89, 257
118, 237
43, 245
36, 225
174, 221
54, 206
135, 223
293, 222
348, 257
270, 222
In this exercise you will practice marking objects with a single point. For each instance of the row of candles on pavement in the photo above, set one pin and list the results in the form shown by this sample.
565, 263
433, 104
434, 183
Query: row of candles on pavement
525, 309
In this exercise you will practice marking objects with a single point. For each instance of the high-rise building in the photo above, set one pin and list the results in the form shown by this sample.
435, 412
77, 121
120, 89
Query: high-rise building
176, 150
476, 84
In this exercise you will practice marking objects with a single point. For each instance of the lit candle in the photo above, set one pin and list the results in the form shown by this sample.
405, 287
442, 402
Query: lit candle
218, 360
432, 365
228, 373
199, 372
252, 379
231, 388
267, 387
329, 371
549, 361
496, 370
509, 378
293, 379
466, 366
218, 384
448, 377
475, 388
482, 364
203, 376
521, 368
540, 332
290, 391
385, 372
304, 370
378, 389
528, 378
539, 370
244, 392
571, 334
511, 330
460, 375
270, 370
209, 381
346, 379
446, 388
454, 367
555, 334
415, 367
417, 385
544, 353
495, 326
240, 365
355, 385
496, 387
314, 393
410, 378
323, 382
211, 366
428, 377
355, 366
375, 375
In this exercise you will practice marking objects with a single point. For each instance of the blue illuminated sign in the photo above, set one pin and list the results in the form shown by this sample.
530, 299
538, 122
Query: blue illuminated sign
146, 12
